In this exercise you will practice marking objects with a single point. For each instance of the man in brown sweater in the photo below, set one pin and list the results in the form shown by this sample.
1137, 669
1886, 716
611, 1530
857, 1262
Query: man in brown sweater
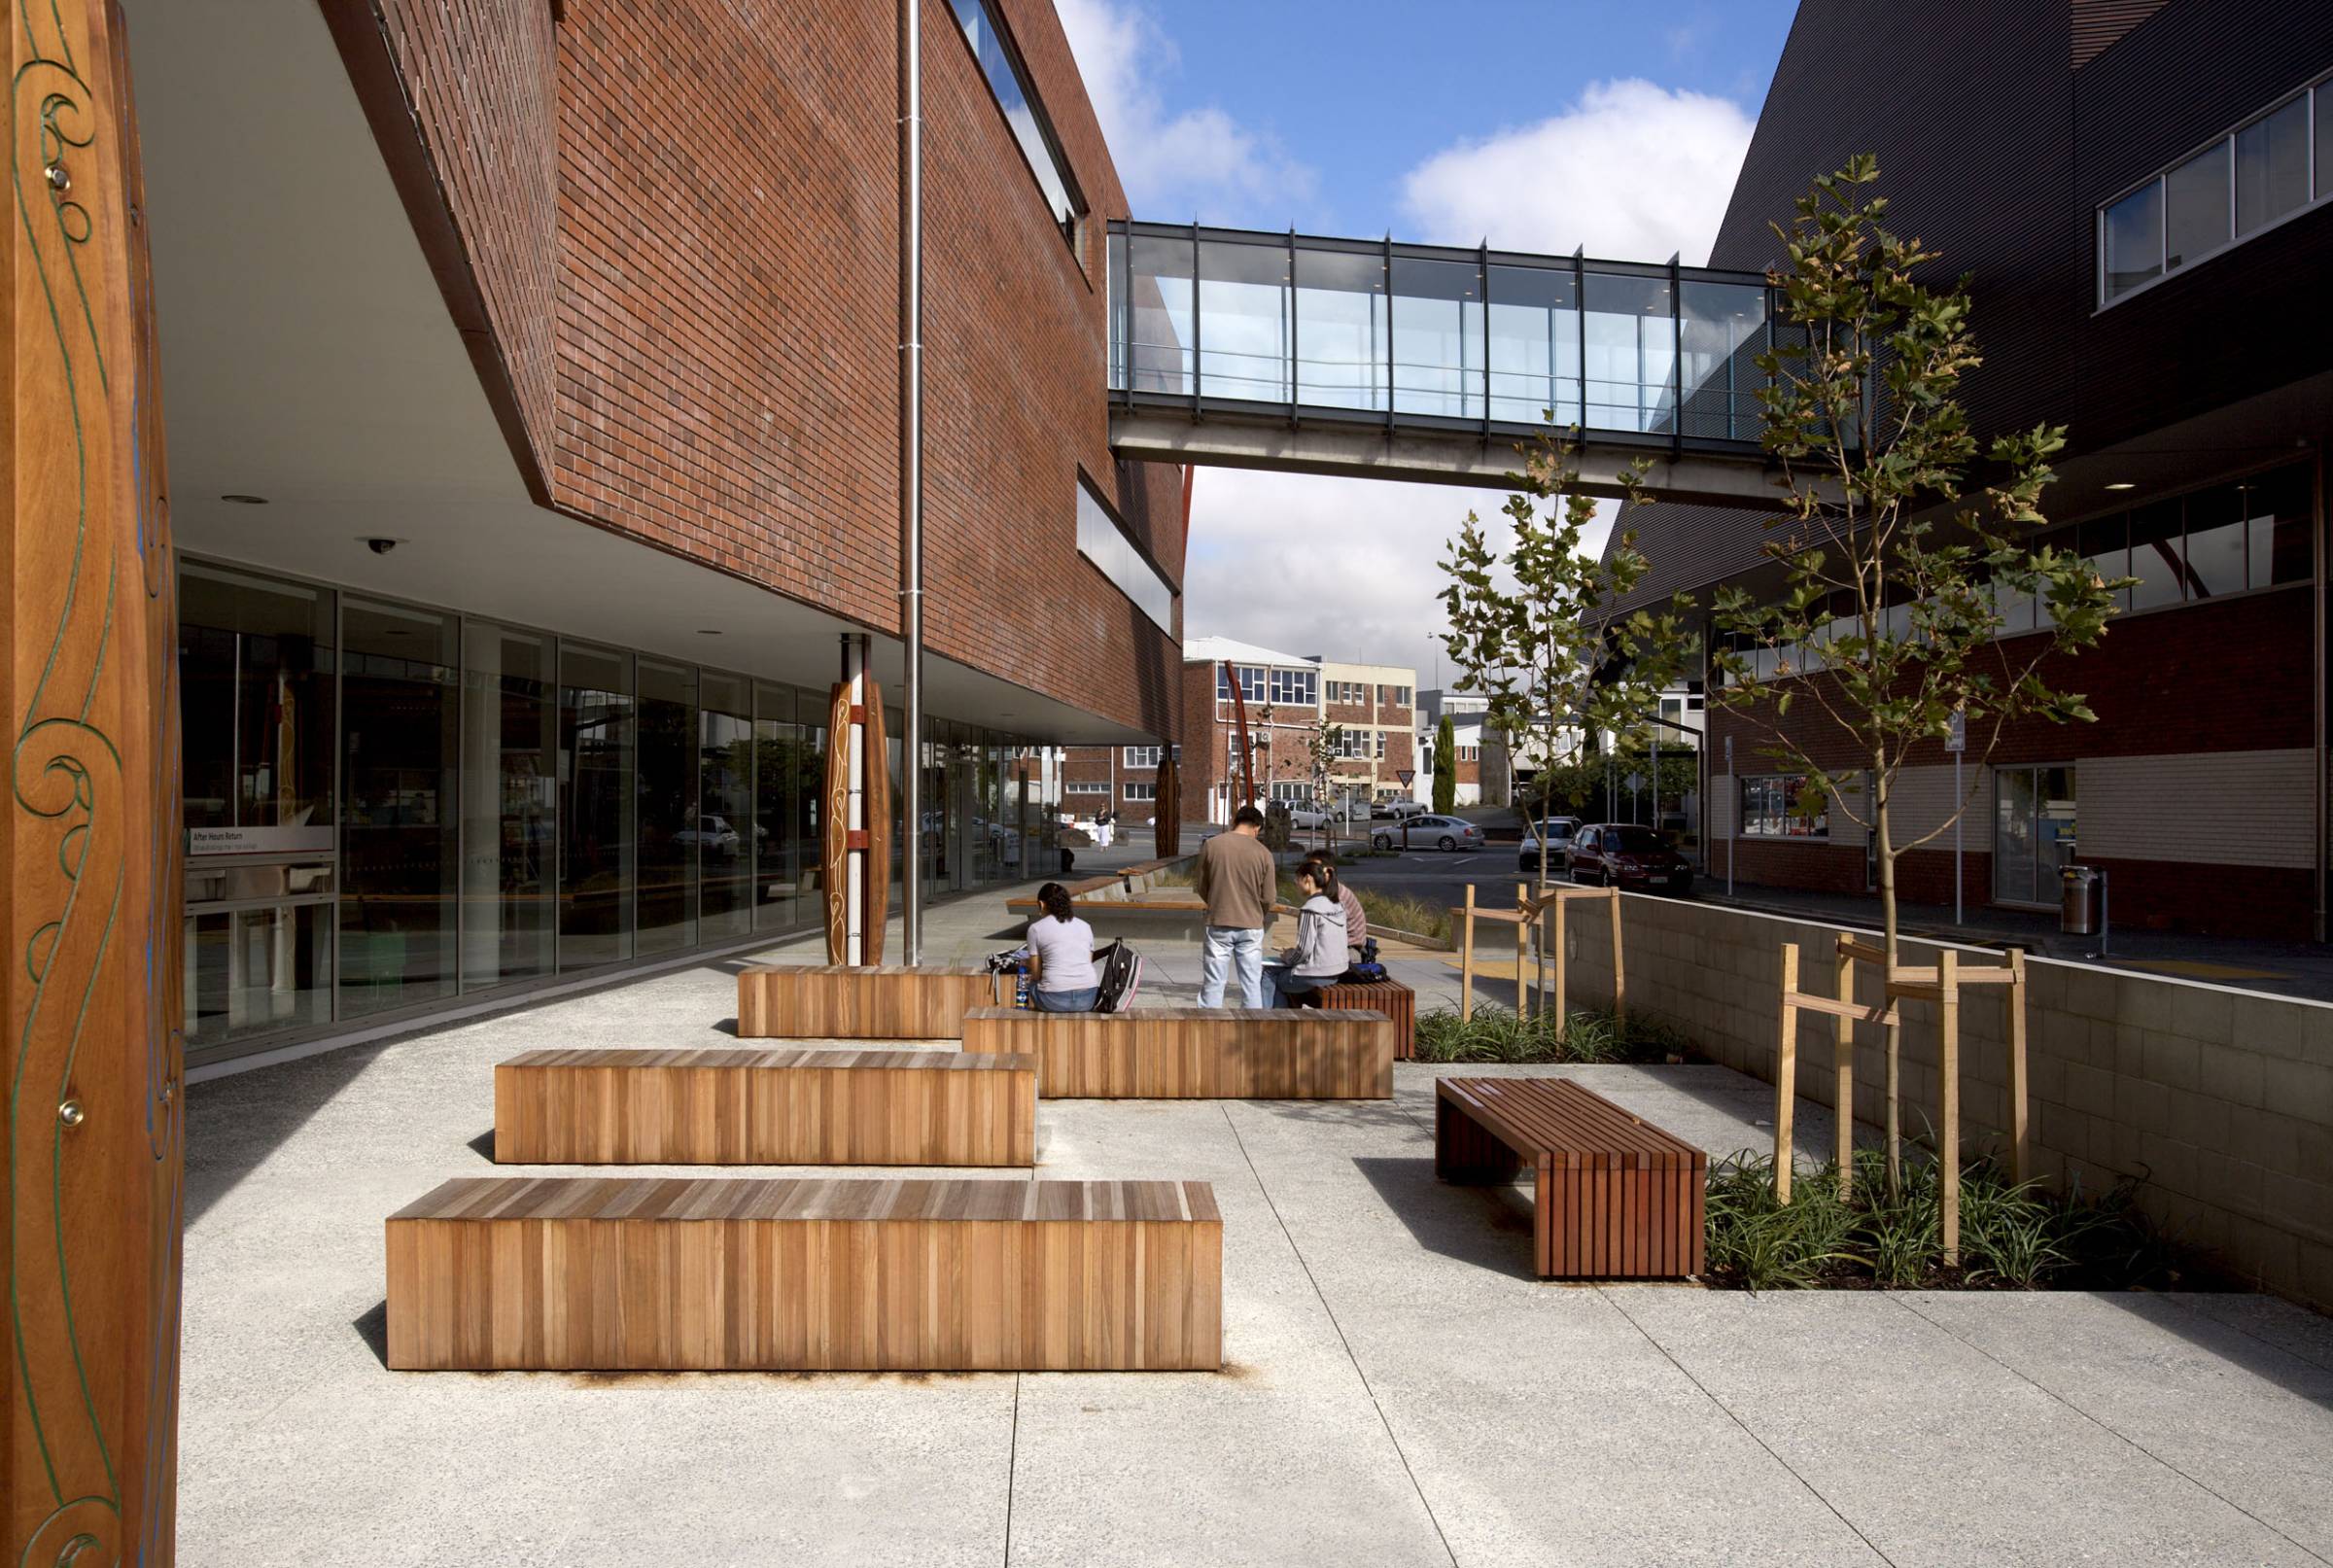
1239, 881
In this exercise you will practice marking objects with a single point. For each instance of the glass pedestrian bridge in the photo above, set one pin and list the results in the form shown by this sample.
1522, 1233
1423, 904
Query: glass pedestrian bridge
1424, 361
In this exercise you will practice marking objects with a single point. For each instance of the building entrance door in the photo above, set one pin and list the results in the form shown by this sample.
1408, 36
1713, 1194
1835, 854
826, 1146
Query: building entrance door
2032, 833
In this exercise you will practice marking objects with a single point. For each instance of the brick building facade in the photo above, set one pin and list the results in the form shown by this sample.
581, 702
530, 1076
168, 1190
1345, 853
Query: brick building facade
534, 421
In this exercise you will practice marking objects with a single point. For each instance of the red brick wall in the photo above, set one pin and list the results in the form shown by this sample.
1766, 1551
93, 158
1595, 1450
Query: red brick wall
718, 372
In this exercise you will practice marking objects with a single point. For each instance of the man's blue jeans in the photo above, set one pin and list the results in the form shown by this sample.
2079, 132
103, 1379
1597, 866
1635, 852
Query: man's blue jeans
1227, 946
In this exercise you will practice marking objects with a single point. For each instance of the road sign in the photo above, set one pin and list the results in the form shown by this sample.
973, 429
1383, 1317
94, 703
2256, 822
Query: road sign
1408, 776
1956, 734
1636, 781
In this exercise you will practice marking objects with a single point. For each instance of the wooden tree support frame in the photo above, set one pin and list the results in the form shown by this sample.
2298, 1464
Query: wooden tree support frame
1941, 982
1543, 916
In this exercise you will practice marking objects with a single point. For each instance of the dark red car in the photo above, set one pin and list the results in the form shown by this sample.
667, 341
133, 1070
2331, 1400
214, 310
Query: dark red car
1630, 856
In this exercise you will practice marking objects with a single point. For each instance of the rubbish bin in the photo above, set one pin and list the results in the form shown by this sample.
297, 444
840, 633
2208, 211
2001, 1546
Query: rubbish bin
2077, 911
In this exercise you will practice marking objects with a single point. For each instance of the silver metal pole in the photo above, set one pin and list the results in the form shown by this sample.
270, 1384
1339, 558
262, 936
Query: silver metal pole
910, 473
1734, 815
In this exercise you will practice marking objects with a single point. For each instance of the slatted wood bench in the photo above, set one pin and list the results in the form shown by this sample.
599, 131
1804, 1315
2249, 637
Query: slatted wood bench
745, 1106
722, 1274
1196, 1053
1616, 1197
1389, 997
834, 1001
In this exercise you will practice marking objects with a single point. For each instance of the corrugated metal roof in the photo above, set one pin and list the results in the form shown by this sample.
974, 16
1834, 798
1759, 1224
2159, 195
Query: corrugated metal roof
2099, 24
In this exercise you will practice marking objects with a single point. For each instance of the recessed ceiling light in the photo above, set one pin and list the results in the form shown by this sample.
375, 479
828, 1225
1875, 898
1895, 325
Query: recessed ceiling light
246, 501
2122, 484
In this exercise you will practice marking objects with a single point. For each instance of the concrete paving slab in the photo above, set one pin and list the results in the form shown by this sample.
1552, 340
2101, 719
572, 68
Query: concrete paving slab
2252, 1423
1936, 1453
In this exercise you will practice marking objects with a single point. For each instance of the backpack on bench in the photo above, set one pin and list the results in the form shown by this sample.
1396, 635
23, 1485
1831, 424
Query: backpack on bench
1120, 968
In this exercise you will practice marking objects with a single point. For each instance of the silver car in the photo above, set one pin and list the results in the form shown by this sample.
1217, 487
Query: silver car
1445, 833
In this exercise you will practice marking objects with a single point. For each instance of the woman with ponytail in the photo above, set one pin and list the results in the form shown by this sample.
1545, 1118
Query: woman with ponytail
1060, 948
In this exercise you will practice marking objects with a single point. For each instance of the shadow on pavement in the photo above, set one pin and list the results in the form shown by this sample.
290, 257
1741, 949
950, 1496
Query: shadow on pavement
373, 1328
1486, 1227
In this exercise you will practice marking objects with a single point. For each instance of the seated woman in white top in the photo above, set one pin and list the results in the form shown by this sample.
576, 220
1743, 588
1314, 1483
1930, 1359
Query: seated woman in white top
1318, 958
1061, 947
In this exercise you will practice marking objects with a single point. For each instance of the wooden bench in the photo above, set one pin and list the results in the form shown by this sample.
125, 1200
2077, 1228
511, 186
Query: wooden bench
1196, 1053
1391, 998
833, 1002
727, 1273
1617, 1198
743, 1106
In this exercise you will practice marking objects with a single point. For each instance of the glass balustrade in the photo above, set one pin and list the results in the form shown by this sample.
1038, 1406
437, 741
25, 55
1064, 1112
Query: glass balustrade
1432, 337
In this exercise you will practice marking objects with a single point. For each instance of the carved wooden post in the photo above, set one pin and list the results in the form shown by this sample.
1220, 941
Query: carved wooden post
92, 846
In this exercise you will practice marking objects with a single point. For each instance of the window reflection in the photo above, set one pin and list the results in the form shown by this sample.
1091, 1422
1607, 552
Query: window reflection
2133, 235
2272, 166
509, 802
724, 824
595, 806
666, 827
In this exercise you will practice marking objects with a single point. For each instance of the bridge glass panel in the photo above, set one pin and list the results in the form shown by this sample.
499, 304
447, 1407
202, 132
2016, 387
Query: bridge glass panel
1436, 337
1534, 345
1245, 320
1342, 329
1159, 299
1631, 344
1725, 328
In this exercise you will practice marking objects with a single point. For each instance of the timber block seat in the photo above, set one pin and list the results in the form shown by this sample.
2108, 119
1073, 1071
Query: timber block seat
724, 1274
1389, 997
1615, 1198
1195, 1053
836, 1001
735, 1105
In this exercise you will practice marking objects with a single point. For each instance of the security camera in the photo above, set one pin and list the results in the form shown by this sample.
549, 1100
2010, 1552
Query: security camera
380, 546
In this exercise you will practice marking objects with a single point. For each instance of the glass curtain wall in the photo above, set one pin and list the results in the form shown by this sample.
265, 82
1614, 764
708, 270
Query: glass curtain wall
257, 680
724, 823
510, 804
400, 747
665, 829
595, 806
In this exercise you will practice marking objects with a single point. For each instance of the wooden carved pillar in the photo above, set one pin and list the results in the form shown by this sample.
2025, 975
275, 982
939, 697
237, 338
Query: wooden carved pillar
856, 835
90, 837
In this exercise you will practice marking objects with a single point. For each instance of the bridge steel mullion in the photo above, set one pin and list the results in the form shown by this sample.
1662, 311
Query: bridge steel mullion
1482, 280
1580, 323
1296, 327
1676, 378
1197, 335
1389, 358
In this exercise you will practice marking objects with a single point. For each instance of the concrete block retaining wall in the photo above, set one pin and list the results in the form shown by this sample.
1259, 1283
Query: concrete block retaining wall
2222, 1099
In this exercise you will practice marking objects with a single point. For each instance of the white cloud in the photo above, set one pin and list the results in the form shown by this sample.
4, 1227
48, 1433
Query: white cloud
1344, 567
1632, 171
1195, 161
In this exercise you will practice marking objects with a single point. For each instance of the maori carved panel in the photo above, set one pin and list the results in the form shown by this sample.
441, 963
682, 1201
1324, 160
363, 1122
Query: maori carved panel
90, 837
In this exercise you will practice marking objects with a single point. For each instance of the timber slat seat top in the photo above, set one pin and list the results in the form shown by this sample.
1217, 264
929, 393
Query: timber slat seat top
886, 1059
1196, 1053
859, 1199
722, 1273
1566, 1122
1615, 1197
737, 1105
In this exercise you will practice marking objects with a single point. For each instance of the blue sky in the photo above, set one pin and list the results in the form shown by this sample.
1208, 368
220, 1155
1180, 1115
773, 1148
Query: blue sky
1542, 126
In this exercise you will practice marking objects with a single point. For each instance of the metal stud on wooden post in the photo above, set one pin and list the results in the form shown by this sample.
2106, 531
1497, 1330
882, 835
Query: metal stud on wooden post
1948, 1066
1786, 1072
1466, 960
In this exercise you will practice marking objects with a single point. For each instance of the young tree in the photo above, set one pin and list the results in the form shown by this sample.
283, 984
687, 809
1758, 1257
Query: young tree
1549, 651
1893, 564
1320, 747
1446, 766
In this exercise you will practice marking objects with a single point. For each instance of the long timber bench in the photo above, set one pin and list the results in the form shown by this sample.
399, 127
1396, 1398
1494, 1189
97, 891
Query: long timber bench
1195, 1053
858, 1274
1615, 1198
836, 1001
743, 1106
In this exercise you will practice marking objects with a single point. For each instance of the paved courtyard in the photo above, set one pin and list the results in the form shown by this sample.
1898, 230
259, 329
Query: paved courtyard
1399, 1390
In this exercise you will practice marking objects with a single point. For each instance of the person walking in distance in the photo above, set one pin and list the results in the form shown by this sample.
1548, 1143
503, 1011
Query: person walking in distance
1238, 881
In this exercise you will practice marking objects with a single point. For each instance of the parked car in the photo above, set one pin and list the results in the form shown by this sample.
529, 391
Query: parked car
1445, 833
1550, 839
713, 834
1310, 818
1393, 811
1629, 854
